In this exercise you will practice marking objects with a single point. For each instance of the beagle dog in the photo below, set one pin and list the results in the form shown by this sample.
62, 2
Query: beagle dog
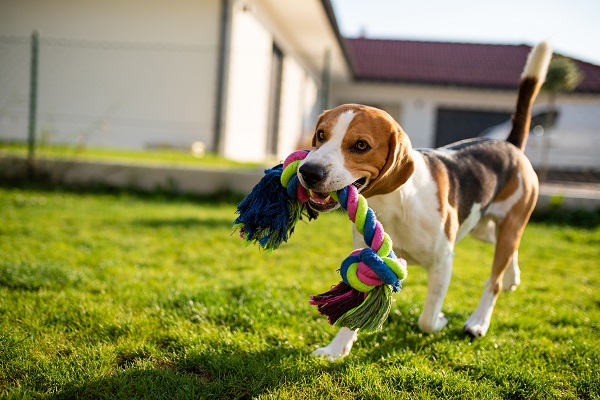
429, 199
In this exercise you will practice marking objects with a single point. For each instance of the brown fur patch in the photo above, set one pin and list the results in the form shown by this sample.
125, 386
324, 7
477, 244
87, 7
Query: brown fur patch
511, 186
445, 197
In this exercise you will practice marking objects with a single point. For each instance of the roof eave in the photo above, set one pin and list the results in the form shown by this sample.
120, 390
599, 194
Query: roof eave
328, 8
444, 84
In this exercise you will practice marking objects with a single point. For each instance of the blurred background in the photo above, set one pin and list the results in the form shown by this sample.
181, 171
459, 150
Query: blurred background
247, 79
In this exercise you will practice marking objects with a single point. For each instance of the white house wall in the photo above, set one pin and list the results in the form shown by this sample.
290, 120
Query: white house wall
251, 48
295, 94
253, 33
133, 73
311, 112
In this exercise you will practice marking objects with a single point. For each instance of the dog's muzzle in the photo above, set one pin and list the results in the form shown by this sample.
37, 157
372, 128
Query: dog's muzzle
312, 175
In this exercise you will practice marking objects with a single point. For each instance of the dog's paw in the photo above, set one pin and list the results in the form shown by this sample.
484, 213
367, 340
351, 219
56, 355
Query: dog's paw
435, 325
476, 328
339, 347
329, 354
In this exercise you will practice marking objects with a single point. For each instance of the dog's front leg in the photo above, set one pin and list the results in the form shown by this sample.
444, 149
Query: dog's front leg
432, 319
340, 346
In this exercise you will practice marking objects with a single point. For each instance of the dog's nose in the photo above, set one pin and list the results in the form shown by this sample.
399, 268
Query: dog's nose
312, 173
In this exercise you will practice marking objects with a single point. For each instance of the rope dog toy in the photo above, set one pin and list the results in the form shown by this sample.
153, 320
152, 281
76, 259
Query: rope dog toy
362, 300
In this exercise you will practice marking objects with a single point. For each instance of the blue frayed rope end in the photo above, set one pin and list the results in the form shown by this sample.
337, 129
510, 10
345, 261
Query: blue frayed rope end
268, 215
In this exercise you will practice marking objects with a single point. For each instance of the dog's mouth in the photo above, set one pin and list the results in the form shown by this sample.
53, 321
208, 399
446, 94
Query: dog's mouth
360, 183
323, 202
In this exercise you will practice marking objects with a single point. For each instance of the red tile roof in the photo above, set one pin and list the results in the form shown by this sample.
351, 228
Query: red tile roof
448, 64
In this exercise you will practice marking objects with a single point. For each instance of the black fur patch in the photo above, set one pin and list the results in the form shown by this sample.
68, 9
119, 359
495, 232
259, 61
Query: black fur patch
476, 169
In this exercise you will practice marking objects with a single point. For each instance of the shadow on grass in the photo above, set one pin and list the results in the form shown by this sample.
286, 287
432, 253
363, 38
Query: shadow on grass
402, 333
184, 223
165, 195
235, 375
229, 373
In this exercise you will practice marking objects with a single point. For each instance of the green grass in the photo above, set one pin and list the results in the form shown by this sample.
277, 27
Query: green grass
149, 156
125, 296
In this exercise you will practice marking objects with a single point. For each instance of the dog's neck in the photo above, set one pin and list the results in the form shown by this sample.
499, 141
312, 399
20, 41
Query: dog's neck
408, 193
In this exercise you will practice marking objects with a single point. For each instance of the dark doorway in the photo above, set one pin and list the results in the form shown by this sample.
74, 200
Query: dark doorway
453, 124
274, 100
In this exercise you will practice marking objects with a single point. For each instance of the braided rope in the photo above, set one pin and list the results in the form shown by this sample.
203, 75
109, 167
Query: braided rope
364, 269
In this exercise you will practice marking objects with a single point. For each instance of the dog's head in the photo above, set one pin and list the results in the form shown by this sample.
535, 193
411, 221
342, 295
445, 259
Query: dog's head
355, 144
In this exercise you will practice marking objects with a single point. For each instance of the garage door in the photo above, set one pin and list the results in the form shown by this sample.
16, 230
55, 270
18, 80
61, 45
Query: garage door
457, 124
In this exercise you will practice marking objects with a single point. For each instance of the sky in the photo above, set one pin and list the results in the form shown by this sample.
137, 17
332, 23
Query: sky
572, 26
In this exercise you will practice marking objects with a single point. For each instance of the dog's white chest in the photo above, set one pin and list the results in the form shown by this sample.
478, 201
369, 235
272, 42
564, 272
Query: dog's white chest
409, 217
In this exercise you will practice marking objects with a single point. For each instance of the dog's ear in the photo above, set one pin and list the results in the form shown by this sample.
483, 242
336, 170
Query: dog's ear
399, 165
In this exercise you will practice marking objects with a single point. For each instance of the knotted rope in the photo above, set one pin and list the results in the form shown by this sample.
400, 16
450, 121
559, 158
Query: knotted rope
369, 276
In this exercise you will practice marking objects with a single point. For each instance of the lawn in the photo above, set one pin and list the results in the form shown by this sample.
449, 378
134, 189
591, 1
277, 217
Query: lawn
126, 296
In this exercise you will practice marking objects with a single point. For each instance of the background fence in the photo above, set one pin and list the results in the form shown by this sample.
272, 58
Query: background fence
115, 94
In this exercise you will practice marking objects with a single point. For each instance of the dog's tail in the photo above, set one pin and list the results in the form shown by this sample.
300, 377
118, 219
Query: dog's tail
532, 79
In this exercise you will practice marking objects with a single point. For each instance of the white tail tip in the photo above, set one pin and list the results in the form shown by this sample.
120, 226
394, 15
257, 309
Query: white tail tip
538, 61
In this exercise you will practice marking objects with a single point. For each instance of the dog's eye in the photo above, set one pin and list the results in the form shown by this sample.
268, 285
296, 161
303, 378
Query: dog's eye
320, 135
361, 146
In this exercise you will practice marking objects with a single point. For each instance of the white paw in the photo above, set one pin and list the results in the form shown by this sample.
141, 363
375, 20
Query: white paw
339, 347
436, 325
475, 327
330, 354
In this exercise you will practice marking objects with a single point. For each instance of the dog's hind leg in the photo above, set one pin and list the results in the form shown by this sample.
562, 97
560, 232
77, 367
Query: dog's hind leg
487, 232
510, 230
479, 322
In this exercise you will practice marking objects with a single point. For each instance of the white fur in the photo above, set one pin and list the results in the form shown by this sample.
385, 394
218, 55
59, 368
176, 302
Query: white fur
340, 346
512, 276
485, 230
330, 156
499, 209
479, 322
470, 222
404, 207
538, 61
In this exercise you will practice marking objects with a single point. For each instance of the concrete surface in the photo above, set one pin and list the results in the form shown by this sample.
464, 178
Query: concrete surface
144, 177
569, 195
